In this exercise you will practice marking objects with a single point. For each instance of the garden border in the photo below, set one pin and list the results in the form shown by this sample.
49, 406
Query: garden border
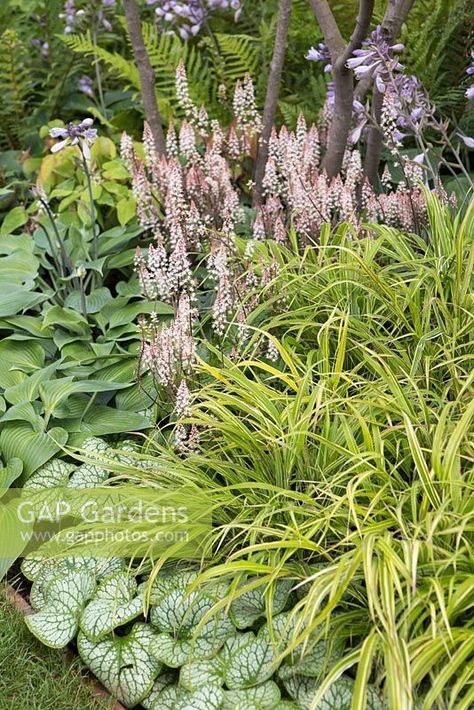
20, 603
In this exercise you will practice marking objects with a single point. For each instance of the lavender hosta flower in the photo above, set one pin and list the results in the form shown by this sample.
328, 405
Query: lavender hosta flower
80, 134
376, 56
189, 17
320, 54
470, 72
85, 85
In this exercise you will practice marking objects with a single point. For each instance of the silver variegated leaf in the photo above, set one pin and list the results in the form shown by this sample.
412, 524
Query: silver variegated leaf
250, 606
174, 653
114, 604
201, 673
260, 697
53, 474
315, 662
89, 475
64, 597
164, 680
251, 664
208, 698
123, 664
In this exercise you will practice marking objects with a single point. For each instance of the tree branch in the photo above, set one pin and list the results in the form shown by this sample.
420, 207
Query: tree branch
343, 79
146, 73
271, 98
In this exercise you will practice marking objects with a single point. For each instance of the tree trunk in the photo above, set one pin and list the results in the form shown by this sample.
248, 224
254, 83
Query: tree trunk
271, 98
343, 79
146, 73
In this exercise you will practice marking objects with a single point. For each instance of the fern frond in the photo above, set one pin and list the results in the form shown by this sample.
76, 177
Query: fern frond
15, 86
84, 44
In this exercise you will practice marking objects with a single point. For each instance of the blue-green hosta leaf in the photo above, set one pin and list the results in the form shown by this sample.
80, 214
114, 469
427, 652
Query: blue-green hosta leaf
261, 697
101, 420
54, 473
202, 673
17, 359
166, 679
250, 664
122, 663
114, 604
19, 440
94, 301
9, 474
56, 623
250, 606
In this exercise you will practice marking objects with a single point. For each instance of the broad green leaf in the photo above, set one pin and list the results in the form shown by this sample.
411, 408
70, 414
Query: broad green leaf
95, 301
23, 411
20, 267
56, 623
18, 359
126, 210
101, 420
9, 473
250, 664
122, 663
250, 605
56, 392
18, 440
13, 537
66, 318
114, 604
260, 697
16, 299
16, 218
28, 388
130, 312
30, 324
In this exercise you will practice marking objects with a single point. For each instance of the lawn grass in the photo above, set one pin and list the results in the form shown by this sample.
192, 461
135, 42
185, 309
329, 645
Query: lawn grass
33, 677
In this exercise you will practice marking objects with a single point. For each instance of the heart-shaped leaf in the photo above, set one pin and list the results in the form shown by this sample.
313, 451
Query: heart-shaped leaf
123, 664
56, 623
54, 473
251, 605
114, 604
250, 664
19, 440
201, 673
260, 697
178, 614
166, 679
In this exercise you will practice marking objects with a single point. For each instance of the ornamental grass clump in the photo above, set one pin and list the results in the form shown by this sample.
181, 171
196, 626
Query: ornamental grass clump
346, 466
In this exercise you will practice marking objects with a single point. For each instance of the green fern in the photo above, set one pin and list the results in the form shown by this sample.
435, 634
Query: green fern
14, 88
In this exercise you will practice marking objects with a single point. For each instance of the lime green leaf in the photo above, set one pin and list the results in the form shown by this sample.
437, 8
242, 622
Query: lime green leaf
126, 210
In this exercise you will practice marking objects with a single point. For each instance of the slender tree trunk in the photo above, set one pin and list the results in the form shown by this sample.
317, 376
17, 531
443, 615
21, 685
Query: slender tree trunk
271, 98
146, 73
395, 15
343, 79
